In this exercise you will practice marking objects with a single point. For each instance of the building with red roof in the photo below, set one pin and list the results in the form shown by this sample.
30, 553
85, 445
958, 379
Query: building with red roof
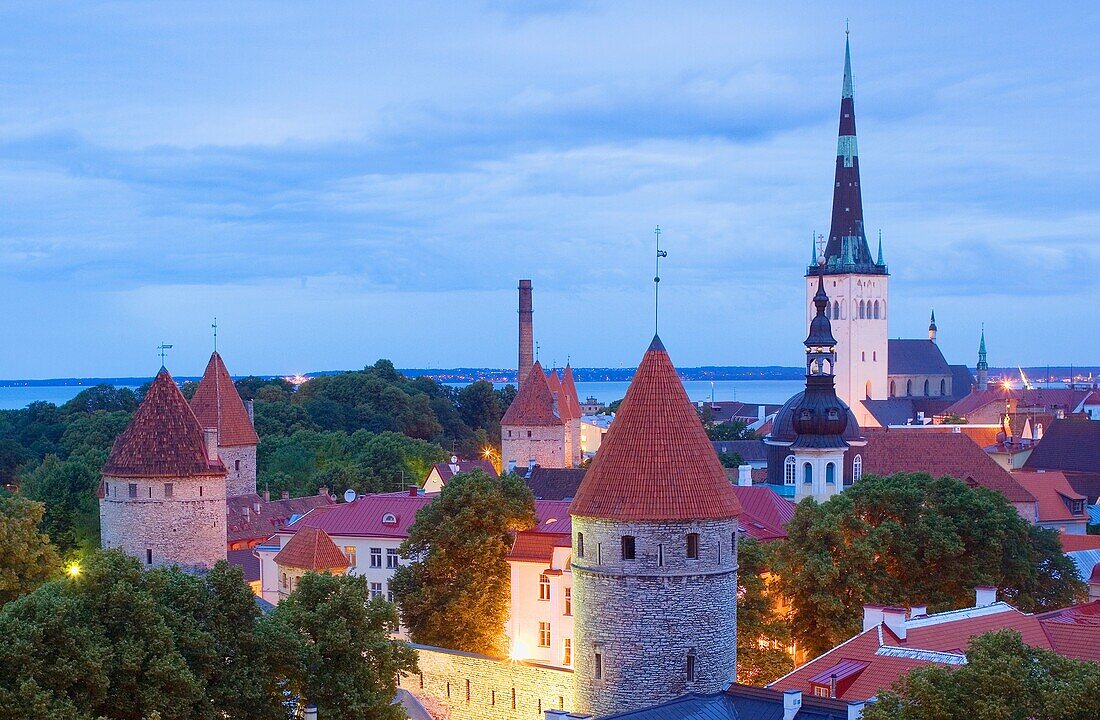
991, 405
534, 430
162, 494
1058, 506
309, 550
252, 519
896, 640
217, 404
1073, 447
442, 472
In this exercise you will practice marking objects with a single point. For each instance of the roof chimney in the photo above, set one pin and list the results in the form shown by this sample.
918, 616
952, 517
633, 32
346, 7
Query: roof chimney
285, 495
323, 491
526, 333
792, 703
872, 616
985, 595
267, 495
311, 712
511, 466
918, 611
249, 405
855, 710
894, 619
413, 490
744, 475
244, 513
210, 435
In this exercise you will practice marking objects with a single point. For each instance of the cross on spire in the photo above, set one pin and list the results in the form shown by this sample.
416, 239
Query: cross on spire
657, 278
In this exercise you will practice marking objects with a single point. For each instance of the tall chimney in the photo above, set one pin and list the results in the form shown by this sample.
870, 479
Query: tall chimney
792, 703
744, 475
526, 333
210, 435
250, 406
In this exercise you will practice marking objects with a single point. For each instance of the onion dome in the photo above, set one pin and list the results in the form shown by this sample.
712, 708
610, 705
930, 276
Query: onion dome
656, 462
216, 403
163, 439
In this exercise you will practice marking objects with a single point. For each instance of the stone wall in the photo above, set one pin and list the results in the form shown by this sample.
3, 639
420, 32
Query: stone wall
498, 689
240, 462
182, 526
645, 617
545, 444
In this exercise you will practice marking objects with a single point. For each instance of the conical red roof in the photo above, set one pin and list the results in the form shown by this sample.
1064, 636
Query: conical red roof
554, 383
164, 439
569, 390
534, 404
216, 403
656, 462
311, 549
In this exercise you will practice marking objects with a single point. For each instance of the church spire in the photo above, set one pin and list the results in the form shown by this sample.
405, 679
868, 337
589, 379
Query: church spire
847, 250
983, 363
932, 327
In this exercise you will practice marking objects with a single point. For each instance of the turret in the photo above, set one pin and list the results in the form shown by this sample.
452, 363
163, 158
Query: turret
983, 363
217, 404
932, 327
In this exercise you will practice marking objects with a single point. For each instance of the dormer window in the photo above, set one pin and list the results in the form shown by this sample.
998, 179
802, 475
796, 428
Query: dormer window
832, 414
389, 519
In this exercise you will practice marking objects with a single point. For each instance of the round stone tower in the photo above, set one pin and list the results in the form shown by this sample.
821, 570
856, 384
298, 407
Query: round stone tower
162, 494
217, 404
654, 555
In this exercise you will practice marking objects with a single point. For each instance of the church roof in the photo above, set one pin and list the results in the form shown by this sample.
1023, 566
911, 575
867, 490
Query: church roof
311, 549
656, 462
163, 439
534, 403
915, 357
216, 403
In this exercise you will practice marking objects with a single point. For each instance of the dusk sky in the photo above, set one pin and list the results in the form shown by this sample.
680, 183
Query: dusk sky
343, 182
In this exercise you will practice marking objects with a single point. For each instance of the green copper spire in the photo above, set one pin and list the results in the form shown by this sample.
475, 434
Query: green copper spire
847, 91
982, 363
880, 260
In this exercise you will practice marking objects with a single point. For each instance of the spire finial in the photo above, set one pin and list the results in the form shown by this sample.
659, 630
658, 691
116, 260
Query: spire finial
536, 351
847, 93
214, 325
162, 350
657, 278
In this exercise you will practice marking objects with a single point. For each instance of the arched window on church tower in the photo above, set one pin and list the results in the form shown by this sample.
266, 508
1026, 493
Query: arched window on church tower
893, 389
860, 309
807, 473
830, 473
857, 468
876, 309
836, 310
868, 389
909, 387
926, 388
789, 470
943, 387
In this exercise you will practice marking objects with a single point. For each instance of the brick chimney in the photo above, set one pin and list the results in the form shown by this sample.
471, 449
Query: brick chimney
250, 406
210, 435
894, 618
285, 495
413, 490
744, 475
526, 332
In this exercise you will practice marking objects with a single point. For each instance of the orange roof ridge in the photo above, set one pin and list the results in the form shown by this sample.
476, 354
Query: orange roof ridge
656, 462
311, 549
217, 403
534, 404
569, 389
163, 439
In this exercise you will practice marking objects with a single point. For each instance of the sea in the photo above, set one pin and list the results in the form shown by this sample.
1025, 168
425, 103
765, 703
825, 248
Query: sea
752, 391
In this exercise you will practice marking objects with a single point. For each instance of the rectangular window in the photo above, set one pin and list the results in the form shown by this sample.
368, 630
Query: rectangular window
568, 600
150, 491
599, 553
106, 488
544, 634
513, 698
148, 556
544, 587
598, 665
376, 557
660, 556
375, 590
628, 547
693, 546
820, 691
237, 465
391, 557
567, 651
133, 490
389, 593
200, 490
691, 667
580, 545
719, 552
467, 691
169, 490
349, 553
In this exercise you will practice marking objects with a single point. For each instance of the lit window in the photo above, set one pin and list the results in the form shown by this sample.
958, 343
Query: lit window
628, 547
544, 587
568, 600
567, 652
789, 470
376, 557
693, 546
391, 557
544, 634
349, 553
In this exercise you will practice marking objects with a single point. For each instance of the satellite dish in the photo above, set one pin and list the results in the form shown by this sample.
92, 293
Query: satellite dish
349, 495
454, 459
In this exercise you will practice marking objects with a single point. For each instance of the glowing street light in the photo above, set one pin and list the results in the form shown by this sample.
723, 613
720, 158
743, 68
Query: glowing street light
73, 570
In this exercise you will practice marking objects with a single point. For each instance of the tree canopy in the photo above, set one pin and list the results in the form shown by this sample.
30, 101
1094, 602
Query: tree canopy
456, 592
1002, 678
762, 634
912, 539
27, 559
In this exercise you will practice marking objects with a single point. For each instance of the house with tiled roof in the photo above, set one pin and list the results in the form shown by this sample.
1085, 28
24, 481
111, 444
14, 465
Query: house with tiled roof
917, 369
217, 404
309, 550
744, 702
252, 519
896, 640
1073, 447
535, 427
991, 405
162, 492
1058, 506
441, 473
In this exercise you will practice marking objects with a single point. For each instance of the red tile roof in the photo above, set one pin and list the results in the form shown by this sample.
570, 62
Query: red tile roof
983, 435
533, 406
163, 438
311, 549
1068, 445
271, 516
900, 449
554, 383
764, 513
366, 516
446, 472
1048, 398
1049, 488
569, 391
247, 561
553, 529
1077, 543
216, 403
656, 461
1075, 631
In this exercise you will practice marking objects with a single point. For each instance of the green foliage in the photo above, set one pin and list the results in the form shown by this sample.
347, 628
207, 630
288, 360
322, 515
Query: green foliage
456, 592
731, 460
26, 557
733, 430
103, 397
763, 635
68, 490
953, 419
912, 539
343, 658
1003, 678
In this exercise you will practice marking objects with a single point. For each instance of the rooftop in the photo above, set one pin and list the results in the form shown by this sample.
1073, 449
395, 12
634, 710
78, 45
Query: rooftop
216, 403
915, 357
533, 406
1068, 445
311, 549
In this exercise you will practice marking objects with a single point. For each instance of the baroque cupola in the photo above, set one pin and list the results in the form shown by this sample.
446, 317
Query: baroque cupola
821, 417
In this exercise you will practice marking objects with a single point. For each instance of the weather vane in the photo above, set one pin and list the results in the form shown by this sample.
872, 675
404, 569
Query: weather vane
657, 278
215, 326
162, 350
536, 351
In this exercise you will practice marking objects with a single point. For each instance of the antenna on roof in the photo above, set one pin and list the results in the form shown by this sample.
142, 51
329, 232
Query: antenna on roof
657, 278
162, 350
215, 326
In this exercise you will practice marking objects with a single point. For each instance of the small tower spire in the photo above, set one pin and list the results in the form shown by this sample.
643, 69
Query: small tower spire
214, 326
932, 326
983, 363
880, 260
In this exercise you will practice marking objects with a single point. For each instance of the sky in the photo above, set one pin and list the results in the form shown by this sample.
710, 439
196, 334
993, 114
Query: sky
339, 182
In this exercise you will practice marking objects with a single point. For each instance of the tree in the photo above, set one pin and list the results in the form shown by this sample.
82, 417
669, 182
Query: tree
954, 419
910, 539
102, 397
733, 430
479, 406
27, 559
731, 459
344, 660
763, 634
1002, 678
456, 591
67, 488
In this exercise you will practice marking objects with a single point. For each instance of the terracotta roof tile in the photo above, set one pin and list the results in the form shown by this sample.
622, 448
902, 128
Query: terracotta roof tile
217, 403
366, 516
533, 406
163, 439
1049, 488
569, 391
656, 461
1075, 631
1077, 543
311, 549
271, 516
764, 513
938, 453
1068, 445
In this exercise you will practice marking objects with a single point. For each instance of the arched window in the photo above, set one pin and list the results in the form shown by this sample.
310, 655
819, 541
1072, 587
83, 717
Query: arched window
926, 388
807, 473
861, 310
857, 468
893, 389
883, 309
909, 387
876, 309
830, 473
789, 470
868, 389
943, 387
836, 310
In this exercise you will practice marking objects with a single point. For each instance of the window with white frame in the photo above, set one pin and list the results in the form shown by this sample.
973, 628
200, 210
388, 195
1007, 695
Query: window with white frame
857, 468
544, 634
790, 470
391, 557
568, 600
375, 590
376, 557
567, 651
544, 587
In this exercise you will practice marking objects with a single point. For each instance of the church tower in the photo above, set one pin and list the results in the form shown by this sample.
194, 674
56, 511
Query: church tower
217, 404
983, 364
654, 555
855, 280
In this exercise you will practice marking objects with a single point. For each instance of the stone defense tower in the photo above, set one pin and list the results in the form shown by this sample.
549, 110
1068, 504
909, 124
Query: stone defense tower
162, 495
526, 333
654, 555
533, 428
855, 281
217, 404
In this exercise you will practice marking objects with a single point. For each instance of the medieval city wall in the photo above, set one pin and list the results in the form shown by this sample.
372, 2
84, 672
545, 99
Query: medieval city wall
545, 445
240, 462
